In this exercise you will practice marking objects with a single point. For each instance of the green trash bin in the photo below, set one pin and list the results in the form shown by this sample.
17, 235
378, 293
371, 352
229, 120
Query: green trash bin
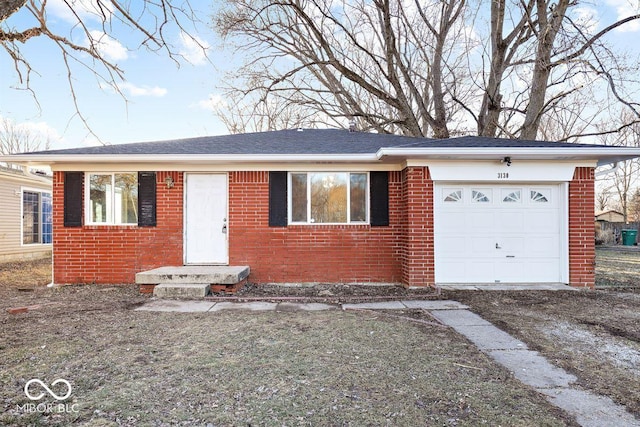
629, 237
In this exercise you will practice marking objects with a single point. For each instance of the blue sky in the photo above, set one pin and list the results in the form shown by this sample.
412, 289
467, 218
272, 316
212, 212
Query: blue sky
163, 101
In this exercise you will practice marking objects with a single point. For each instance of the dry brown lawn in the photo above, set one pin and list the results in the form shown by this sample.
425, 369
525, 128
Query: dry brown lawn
292, 368
242, 368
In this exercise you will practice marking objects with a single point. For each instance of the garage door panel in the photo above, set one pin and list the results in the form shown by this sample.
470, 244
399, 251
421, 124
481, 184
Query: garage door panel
482, 246
502, 233
543, 246
542, 270
511, 246
483, 270
543, 220
458, 271
510, 271
510, 220
481, 221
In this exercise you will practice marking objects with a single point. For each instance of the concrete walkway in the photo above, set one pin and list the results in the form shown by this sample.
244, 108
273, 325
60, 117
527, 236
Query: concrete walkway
531, 368
195, 306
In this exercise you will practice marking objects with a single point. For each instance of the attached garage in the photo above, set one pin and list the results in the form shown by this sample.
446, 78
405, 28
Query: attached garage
500, 233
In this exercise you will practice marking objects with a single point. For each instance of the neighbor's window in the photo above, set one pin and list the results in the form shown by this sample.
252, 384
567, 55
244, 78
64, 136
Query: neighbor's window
113, 198
328, 197
36, 217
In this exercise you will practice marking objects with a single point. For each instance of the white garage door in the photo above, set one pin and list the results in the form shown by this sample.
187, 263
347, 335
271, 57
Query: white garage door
498, 233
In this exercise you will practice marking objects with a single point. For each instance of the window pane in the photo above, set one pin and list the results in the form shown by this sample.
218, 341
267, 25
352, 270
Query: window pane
299, 197
358, 194
100, 193
126, 198
328, 197
47, 218
30, 217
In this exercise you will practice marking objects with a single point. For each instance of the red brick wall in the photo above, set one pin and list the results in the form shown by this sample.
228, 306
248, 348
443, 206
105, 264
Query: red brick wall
418, 254
321, 253
113, 254
582, 253
402, 252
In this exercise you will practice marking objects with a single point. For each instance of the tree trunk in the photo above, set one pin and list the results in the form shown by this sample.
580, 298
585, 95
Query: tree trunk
547, 31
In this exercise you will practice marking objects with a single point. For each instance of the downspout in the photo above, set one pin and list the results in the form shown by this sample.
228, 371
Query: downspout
613, 168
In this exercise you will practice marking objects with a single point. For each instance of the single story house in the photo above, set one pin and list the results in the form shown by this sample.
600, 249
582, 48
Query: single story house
610, 216
329, 206
26, 217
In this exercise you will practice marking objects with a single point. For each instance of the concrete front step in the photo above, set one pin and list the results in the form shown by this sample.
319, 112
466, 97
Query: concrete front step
194, 274
181, 290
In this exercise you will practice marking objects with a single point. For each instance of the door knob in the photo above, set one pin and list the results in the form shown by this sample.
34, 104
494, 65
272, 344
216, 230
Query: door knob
498, 246
224, 229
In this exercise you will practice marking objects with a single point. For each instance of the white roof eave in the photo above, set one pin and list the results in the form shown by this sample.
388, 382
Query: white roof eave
52, 159
603, 156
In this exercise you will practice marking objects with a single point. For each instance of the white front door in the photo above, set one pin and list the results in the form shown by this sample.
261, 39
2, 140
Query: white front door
205, 219
488, 233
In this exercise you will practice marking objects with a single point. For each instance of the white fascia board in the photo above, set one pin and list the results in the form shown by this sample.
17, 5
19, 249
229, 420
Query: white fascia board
211, 159
603, 155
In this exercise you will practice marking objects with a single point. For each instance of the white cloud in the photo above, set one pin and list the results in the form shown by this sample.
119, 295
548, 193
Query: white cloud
193, 48
212, 103
110, 48
624, 9
85, 9
143, 90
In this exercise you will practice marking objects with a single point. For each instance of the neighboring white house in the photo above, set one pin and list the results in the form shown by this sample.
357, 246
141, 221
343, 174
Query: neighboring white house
25, 214
610, 216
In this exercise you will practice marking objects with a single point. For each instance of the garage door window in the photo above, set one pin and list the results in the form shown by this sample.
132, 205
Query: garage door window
453, 196
511, 196
539, 197
481, 196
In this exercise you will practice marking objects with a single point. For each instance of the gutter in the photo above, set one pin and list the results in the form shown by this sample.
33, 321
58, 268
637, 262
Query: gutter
612, 169
49, 159
603, 155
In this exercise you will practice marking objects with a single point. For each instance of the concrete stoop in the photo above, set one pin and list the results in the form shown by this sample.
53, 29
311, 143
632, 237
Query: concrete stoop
192, 281
181, 290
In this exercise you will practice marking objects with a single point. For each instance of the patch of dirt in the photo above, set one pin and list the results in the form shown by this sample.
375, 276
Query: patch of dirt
592, 334
335, 293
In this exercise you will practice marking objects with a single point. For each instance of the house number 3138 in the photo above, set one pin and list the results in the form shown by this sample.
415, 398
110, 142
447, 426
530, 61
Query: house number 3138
503, 175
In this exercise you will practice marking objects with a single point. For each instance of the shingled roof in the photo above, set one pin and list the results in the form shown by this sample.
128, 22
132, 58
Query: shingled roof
324, 146
307, 141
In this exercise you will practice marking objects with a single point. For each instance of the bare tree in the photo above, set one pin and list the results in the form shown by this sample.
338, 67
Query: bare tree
634, 206
626, 174
432, 68
19, 139
93, 25
603, 198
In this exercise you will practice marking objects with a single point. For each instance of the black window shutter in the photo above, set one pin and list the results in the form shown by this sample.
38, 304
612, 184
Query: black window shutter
147, 199
278, 199
379, 198
73, 199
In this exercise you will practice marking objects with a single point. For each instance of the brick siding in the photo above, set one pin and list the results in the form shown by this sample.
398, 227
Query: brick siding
306, 253
401, 252
113, 254
582, 252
